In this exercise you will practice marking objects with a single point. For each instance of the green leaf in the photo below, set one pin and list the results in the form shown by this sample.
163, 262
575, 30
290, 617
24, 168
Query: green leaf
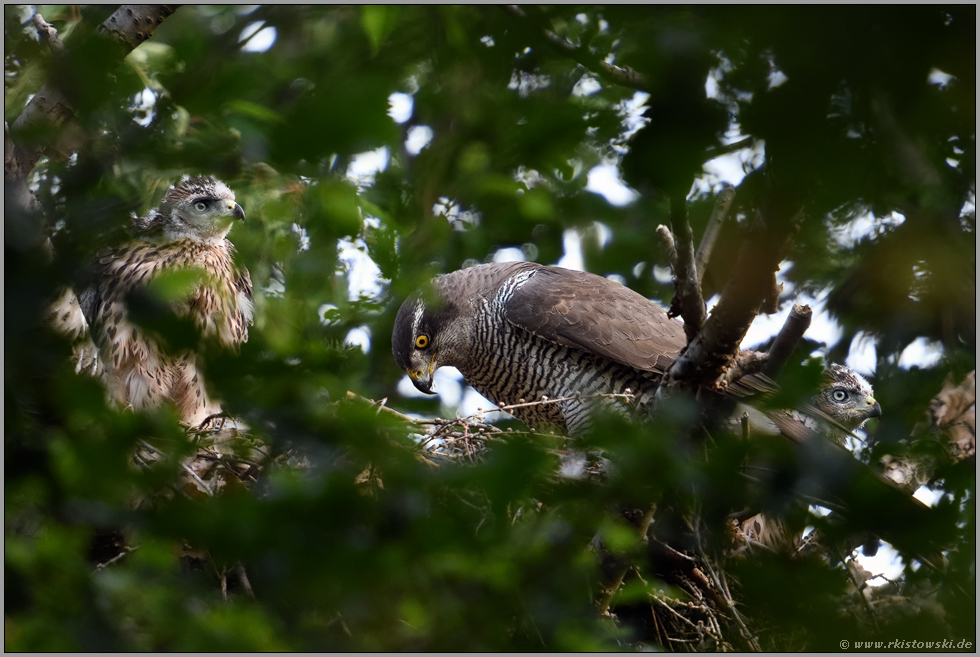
171, 286
254, 110
378, 22
336, 206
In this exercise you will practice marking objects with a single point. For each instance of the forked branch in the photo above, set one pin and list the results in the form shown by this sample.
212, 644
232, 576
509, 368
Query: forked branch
714, 348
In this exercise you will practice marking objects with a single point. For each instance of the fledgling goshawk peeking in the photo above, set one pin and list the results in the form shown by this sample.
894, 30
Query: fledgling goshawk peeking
848, 399
843, 404
188, 230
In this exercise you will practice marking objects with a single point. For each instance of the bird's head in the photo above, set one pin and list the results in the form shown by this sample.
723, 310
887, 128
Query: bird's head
201, 208
430, 331
847, 397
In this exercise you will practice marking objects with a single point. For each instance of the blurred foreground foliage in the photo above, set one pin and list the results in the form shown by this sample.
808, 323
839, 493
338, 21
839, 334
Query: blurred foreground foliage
865, 114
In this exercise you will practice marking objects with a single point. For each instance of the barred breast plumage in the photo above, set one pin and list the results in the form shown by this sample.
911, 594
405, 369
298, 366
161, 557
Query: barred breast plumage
520, 331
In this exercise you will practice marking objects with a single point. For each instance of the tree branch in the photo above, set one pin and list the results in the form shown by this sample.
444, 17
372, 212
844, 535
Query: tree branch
786, 340
48, 33
626, 77
129, 26
733, 147
738, 379
668, 241
770, 304
134, 24
687, 301
724, 594
714, 348
718, 215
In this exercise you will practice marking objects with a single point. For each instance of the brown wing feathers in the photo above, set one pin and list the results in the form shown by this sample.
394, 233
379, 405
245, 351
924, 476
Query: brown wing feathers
588, 312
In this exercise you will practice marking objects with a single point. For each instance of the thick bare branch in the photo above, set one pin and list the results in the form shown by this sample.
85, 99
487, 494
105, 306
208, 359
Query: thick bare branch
770, 305
48, 33
668, 241
746, 363
687, 301
718, 215
786, 340
134, 24
714, 348
130, 25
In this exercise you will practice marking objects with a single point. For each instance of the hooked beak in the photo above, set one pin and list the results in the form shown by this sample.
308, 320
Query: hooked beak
424, 385
238, 212
422, 379
874, 409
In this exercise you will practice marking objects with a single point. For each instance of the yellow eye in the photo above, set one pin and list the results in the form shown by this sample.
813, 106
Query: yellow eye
422, 341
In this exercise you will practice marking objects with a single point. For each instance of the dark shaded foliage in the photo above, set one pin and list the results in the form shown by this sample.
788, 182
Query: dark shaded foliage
491, 556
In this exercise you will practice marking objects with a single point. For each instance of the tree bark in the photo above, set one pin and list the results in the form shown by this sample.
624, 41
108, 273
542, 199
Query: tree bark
714, 348
50, 108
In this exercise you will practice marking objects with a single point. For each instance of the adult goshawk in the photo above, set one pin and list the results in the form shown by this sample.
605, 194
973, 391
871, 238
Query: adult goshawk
188, 230
522, 331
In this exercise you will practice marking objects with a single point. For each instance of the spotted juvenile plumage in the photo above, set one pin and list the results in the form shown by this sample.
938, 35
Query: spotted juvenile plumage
520, 331
186, 231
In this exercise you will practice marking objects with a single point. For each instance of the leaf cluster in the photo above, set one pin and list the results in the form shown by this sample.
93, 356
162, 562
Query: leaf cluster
348, 540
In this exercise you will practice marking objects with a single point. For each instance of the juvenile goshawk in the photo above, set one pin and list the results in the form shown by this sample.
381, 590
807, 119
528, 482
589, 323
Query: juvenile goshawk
186, 231
845, 397
522, 331
843, 404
